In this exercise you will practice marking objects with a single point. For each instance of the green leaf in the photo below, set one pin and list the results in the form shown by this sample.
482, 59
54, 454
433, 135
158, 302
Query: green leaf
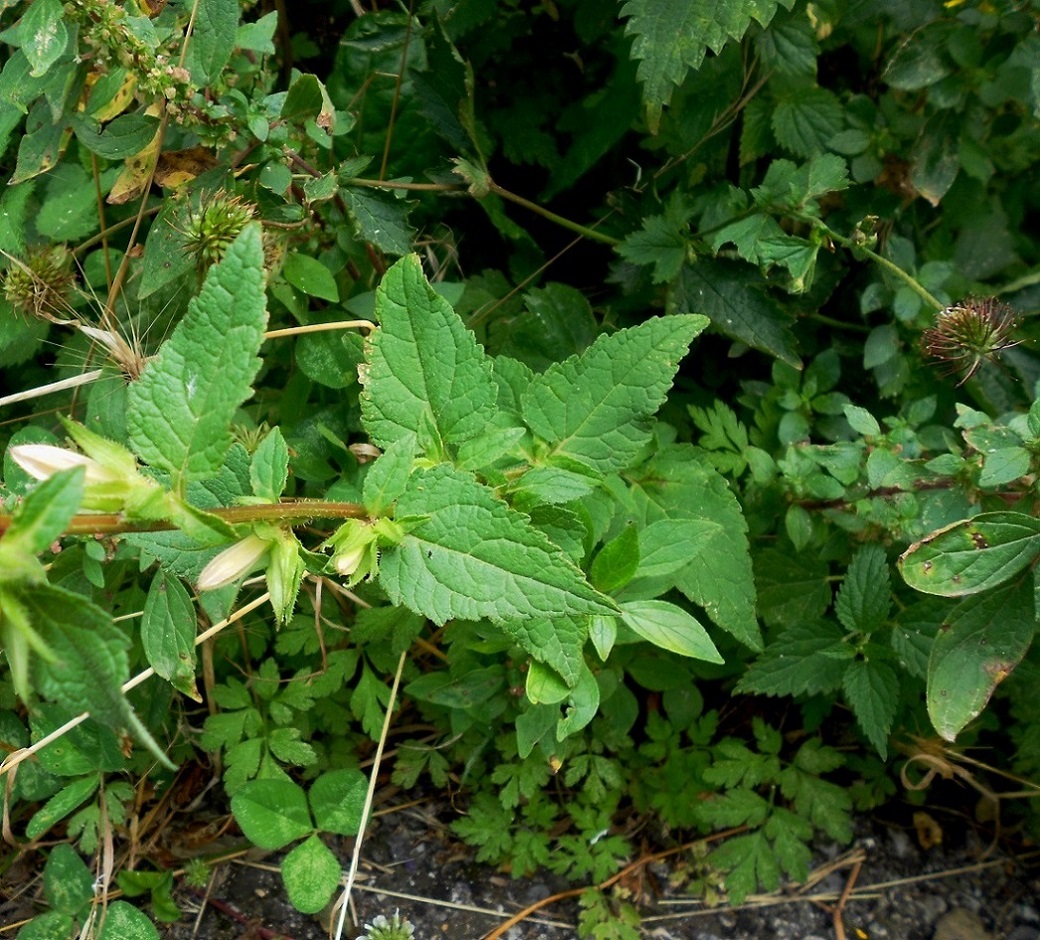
388, 475
972, 555
120, 138
662, 241
679, 484
330, 358
213, 40
806, 118
975, 650
672, 37
733, 297
806, 659
872, 691
425, 367
50, 925
558, 322
68, 884
310, 276
311, 873
42, 517
44, 34
597, 407
271, 813
123, 921
616, 562
380, 221
180, 411
168, 630
936, 156
473, 557
865, 597
581, 707
59, 806
269, 468
671, 628
337, 800
90, 660
792, 588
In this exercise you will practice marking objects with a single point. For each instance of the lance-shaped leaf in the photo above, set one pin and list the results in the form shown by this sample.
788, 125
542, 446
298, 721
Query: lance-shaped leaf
473, 557
426, 374
180, 411
972, 555
597, 406
983, 641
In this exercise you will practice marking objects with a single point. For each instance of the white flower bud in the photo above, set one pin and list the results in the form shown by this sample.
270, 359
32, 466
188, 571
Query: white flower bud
42, 461
232, 563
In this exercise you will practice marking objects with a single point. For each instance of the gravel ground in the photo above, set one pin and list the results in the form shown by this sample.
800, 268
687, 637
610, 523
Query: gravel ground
900, 893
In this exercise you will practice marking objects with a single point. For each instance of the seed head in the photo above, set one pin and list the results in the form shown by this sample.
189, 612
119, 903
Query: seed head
214, 225
41, 285
969, 334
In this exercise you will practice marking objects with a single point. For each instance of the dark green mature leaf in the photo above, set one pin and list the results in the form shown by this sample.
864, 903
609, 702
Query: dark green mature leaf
42, 516
972, 555
663, 241
672, 37
805, 659
733, 296
872, 690
91, 660
43, 34
865, 596
426, 369
380, 220
180, 410
168, 629
121, 138
979, 647
806, 118
596, 407
936, 156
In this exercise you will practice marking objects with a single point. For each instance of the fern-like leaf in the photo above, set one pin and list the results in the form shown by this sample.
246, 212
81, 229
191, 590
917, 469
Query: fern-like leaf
672, 37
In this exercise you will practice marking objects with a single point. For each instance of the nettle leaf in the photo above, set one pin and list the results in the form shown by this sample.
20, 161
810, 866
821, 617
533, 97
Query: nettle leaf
596, 407
806, 118
679, 484
180, 411
872, 691
473, 557
733, 296
426, 371
979, 646
972, 555
865, 598
663, 241
673, 36
90, 660
806, 659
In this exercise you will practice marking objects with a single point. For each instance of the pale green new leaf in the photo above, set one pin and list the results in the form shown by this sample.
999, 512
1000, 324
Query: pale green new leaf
473, 557
671, 628
672, 37
865, 596
979, 646
425, 368
972, 555
311, 873
123, 921
597, 407
679, 484
180, 411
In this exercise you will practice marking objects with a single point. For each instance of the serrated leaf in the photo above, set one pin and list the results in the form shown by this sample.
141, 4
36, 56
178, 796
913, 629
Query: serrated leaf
806, 659
733, 297
380, 221
180, 411
271, 813
806, 118
678, 484
972, 555
671, 628
388, 475
792, 588
91, 660
168, 630
311, 873
672, 37
425, 367
473, 557
865, 597
872, 691
596, 407
269, 467
975, 650
662, 241
43, 515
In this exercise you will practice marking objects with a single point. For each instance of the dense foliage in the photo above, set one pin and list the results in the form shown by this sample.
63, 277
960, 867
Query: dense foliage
592, 373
